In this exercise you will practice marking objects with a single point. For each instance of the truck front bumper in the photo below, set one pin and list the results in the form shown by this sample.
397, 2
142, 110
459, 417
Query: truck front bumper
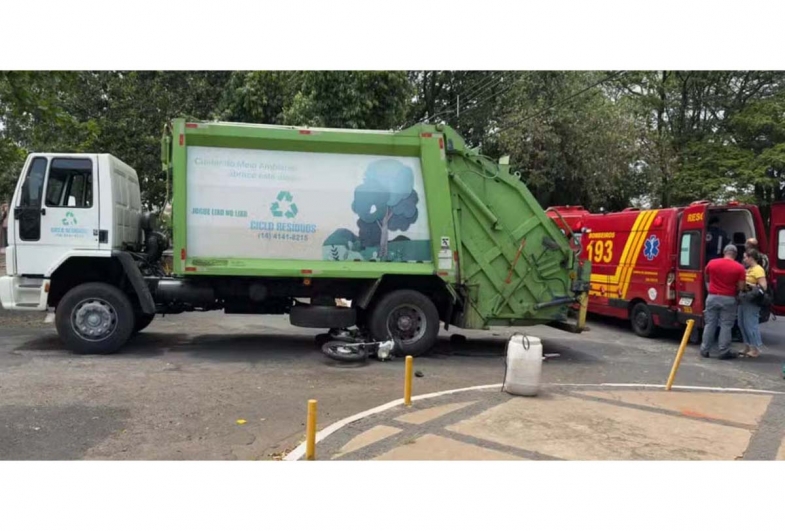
23, 293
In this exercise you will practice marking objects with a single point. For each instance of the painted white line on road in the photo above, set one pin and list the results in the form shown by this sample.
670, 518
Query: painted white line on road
299, 452
683, 387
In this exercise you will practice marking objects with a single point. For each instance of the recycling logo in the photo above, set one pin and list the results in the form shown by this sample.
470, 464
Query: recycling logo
651, 248
284, 206
69, 219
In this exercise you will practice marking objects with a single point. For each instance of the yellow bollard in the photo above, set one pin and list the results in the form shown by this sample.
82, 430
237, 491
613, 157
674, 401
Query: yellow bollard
310, 432
680, 354
407, 383
582, 313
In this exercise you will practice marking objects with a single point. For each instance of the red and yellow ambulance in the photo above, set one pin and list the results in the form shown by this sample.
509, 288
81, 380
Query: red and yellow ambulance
647, 265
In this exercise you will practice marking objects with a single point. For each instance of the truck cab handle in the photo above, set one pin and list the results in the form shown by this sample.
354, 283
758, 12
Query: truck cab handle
43, 211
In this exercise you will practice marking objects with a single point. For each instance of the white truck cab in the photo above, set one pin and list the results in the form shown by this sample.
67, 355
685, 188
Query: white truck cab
66, 207
71, 221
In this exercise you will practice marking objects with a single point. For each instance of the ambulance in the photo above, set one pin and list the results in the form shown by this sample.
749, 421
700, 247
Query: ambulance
647, 266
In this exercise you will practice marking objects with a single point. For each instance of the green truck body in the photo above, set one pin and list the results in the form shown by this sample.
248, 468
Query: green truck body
499, 256
412, 227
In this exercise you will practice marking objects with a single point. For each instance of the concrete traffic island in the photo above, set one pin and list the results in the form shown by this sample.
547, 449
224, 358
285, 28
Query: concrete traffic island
593, 422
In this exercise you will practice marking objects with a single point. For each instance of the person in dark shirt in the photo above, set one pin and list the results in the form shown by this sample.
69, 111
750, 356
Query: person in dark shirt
716, 239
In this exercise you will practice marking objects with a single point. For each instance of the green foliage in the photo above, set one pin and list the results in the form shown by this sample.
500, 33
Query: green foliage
579, 152
257, 97
470, 101
353, 100
638, 138
33, 118
702, 133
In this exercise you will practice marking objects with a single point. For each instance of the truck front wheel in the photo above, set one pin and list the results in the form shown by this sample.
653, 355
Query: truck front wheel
95, 318
408, 317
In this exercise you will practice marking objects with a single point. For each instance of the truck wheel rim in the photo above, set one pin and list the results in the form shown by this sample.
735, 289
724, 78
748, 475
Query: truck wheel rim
407, 324
94, 319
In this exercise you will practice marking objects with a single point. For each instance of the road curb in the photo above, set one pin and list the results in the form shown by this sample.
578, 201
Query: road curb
299, 452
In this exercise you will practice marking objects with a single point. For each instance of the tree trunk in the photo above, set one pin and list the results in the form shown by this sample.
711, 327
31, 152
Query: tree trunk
383, 240
665, 192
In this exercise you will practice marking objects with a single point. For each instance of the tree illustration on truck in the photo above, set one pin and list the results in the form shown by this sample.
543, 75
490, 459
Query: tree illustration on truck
384, 202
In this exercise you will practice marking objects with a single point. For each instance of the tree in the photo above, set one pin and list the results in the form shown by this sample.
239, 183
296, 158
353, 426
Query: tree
571, 149
469, 101
32, 118
385, 201
257, 97
745, 161
129, 110
353, 100
685, 122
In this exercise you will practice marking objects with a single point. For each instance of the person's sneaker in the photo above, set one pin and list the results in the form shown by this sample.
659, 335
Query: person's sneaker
728, 355
704, 354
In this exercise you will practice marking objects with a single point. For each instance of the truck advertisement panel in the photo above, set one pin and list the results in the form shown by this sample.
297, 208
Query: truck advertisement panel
259, 204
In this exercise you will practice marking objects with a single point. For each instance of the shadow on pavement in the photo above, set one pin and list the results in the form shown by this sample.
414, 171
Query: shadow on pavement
256, 348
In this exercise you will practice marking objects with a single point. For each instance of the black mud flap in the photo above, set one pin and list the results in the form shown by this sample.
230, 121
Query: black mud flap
137, 281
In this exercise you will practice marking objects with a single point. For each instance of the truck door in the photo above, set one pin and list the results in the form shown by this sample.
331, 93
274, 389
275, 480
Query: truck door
777, 257
690, 287
55, 211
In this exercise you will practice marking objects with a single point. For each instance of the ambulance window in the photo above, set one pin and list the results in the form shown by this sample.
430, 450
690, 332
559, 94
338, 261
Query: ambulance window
781, 248
690, 250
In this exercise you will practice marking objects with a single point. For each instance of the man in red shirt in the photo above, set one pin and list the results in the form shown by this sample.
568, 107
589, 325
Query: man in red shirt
726, 278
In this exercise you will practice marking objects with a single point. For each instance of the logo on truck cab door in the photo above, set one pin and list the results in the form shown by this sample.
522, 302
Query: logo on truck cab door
69, 229
69, 219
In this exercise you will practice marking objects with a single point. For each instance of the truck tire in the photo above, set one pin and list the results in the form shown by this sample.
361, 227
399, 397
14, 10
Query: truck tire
94, 318
408, 317
142, 321
642, 320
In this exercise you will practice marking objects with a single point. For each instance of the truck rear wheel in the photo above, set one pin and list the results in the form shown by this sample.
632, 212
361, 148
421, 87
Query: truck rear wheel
408, 317
95, 318
642, 320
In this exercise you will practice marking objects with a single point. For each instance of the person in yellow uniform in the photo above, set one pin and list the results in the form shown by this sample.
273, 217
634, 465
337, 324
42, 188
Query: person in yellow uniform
749, 307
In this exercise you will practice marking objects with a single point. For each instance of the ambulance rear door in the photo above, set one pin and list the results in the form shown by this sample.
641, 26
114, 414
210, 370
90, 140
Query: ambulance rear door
690, 287
777, 257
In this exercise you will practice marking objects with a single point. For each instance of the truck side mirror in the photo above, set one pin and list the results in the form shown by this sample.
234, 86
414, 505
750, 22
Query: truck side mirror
71, 201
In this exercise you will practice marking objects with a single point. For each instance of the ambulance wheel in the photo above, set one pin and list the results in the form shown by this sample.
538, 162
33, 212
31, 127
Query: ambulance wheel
94, 318
696, 336
409, 318
642, 320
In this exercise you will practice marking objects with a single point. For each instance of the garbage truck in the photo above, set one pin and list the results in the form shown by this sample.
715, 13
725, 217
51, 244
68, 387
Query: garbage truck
413, 227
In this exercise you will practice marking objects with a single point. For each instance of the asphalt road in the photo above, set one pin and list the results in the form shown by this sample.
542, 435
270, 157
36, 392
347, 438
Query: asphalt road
178, 390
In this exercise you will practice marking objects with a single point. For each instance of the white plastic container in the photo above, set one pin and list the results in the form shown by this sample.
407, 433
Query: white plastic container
524, 365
